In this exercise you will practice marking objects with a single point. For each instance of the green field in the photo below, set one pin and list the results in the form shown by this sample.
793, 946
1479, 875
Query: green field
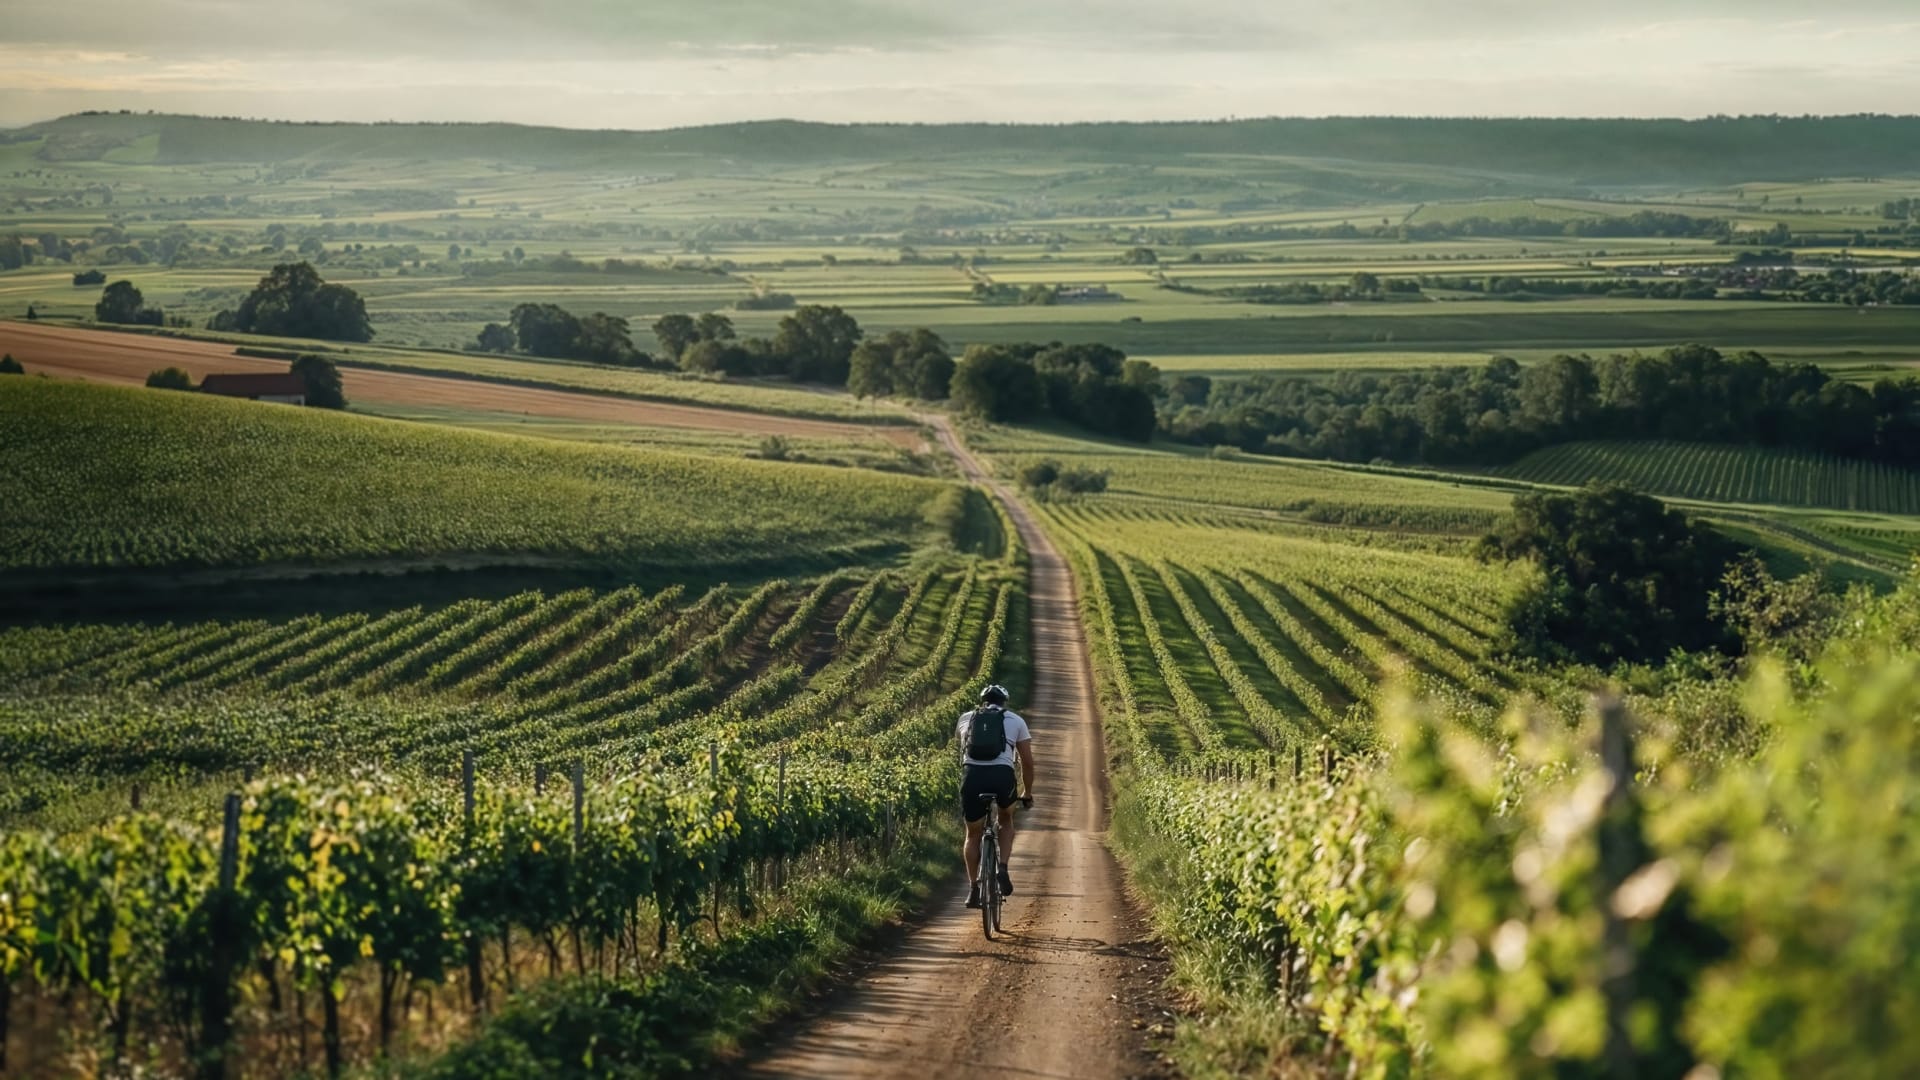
114, 479
1727, 474
429, 241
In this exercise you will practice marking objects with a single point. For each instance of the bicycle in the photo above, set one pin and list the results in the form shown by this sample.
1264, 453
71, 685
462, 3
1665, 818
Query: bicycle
989, 880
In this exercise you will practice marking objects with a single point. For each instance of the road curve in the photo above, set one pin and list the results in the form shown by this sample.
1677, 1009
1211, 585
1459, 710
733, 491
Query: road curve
1039, 1001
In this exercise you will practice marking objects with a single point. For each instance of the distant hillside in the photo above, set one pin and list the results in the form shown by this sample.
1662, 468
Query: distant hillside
1610, 152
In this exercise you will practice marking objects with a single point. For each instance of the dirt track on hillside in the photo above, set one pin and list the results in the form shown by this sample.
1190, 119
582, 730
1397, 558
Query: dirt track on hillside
1042, 1000
62, 352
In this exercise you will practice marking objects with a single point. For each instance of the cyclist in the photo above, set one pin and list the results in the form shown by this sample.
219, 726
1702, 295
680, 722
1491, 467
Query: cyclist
991, 736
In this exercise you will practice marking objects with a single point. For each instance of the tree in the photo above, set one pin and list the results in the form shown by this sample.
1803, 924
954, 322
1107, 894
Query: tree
1190, 390
293, 301
495, 338
544, 329
13, 254
10, 366
713, 326
818, 343
993, 382
926, 369
324, 389
121, 302
720, 358
676, 333
605, 339
1621, 577
89, 277
1140, 256
171, 378
870, 371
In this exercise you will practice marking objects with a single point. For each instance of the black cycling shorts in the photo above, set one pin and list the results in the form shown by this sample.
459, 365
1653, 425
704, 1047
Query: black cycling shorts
977, 780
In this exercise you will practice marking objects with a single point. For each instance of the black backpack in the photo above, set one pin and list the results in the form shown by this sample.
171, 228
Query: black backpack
987, 733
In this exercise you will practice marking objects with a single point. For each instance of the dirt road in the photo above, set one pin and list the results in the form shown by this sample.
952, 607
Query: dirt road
1038, 1001
64, 352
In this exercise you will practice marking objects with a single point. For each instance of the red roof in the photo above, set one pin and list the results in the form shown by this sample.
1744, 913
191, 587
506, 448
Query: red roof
255, 386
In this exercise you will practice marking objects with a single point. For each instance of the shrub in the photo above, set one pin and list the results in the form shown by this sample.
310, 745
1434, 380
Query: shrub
170, 378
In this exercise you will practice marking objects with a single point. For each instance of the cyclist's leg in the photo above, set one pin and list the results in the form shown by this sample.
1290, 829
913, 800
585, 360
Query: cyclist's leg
972, 850
1004, 805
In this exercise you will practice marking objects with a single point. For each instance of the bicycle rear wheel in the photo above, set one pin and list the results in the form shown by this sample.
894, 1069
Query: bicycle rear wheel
989, 887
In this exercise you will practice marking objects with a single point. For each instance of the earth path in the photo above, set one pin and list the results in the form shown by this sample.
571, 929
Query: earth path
1042, 999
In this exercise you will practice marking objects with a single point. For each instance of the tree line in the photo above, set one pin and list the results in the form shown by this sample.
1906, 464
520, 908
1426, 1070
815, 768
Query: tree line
1501, 411
1642, 223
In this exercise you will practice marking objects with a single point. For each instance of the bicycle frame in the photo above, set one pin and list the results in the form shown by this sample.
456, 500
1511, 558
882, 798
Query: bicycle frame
988, 882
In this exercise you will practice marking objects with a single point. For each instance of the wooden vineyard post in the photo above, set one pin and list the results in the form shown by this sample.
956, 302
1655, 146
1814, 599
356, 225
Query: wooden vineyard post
1326, 762
540, 779
713, 778
216, 995
1273, 771
133, 797
476, 974
579, 800
779, 822
1296, 761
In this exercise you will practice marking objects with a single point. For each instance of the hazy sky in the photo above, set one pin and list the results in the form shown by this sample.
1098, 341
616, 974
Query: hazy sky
648, 63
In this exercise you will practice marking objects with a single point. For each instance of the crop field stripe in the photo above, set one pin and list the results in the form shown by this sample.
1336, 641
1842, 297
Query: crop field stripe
1733, 474
549, 642
1321, 713
261, 640
406, 668
637, 661
796, 627
463, 669
351, 667
246, 668
1268, 727
149, 643
617, 634
298, 672
187, 651
1194, 714
1415, 633
1161, 725
1281, 605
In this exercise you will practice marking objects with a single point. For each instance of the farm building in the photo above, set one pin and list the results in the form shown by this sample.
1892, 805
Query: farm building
286, 389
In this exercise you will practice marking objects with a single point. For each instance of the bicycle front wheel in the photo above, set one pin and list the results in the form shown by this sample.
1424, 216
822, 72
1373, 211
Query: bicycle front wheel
989, 887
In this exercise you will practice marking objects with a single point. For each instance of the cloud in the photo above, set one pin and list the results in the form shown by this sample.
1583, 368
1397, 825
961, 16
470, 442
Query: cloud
647, 63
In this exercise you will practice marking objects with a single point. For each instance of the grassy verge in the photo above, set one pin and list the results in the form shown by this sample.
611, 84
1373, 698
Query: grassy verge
1234, 1024
696, 1010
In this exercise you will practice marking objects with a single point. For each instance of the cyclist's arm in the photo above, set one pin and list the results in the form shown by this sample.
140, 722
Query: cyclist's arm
1025, 749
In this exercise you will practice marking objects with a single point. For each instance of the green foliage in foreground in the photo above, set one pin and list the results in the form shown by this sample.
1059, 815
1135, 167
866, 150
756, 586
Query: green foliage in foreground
108, 477
672, 1022
377, 870
1734, 474
1523, 906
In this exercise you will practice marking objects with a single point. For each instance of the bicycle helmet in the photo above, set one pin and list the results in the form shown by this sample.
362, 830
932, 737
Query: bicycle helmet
994, 694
